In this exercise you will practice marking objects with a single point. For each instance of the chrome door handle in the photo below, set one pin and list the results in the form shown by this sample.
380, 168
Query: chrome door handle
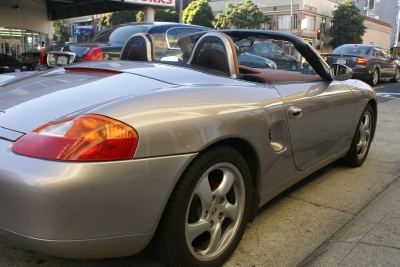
295, 112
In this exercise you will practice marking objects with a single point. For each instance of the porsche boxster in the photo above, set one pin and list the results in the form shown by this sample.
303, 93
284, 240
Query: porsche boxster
106, 158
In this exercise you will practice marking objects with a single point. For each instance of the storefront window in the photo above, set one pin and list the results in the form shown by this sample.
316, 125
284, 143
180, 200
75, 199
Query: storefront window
11, 41
14, 41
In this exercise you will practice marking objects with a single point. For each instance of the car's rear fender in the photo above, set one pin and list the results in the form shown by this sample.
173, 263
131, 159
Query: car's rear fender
191, 119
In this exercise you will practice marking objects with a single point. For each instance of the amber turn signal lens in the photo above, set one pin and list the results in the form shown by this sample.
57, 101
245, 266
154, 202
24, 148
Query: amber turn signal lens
325, 58
88, 137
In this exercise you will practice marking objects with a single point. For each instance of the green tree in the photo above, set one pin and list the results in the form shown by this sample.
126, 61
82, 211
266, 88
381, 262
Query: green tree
347, 25
241, 15
61, 31
115, 18
161, 15
198, 12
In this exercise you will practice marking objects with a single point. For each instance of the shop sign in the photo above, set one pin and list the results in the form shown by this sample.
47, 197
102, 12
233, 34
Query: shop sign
153, 2
83, 31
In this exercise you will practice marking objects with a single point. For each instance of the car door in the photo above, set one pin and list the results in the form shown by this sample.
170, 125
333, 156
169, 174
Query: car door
10, 64
377, 61
319, 115
388, 67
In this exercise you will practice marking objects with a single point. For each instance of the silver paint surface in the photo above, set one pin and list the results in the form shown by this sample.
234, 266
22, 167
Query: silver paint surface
177, 114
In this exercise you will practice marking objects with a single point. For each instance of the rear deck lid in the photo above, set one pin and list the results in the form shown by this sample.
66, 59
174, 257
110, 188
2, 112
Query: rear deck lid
33, 100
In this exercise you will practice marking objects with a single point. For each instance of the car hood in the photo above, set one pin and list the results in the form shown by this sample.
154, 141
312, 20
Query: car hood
29, 101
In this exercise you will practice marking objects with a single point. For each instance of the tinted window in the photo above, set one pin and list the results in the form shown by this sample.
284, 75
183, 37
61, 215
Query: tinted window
117, 35
262, 48
26, 56
275, 49
172, 37
182, 32
386, 54
377, 52
353, 50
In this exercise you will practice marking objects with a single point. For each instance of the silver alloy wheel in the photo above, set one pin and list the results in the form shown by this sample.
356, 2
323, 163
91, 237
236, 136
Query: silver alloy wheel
215, 211
397, 74
364, 134
375, 77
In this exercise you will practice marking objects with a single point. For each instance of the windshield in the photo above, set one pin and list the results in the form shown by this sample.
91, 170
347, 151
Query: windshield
117, 35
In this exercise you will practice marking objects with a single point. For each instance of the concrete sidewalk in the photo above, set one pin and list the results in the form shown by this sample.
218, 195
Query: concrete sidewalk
372, 237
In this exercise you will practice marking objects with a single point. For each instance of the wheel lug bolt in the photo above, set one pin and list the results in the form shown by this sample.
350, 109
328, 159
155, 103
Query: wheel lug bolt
206, 214
221, 201
213, 199
211, 224
221, 215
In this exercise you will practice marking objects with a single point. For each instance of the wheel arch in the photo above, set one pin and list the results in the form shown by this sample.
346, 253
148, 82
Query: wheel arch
374, 106
252, 160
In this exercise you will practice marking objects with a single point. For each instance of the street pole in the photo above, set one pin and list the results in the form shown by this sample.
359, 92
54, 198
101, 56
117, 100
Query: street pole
291, 16
180, 10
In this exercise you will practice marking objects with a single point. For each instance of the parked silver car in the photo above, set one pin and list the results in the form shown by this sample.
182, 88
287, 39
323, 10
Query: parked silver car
105, 158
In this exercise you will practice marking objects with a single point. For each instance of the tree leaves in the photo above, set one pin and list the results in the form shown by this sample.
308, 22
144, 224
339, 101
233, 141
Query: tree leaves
61, 31
115, 18
198, 13
241, 15
347, 25
166, 15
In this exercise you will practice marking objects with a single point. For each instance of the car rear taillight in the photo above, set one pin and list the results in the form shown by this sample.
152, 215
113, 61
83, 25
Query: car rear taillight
361, 61
325, 58
88, 137
43, 57
95, 53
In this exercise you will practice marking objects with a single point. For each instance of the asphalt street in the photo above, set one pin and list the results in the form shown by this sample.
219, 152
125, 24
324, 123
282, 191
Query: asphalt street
339, 216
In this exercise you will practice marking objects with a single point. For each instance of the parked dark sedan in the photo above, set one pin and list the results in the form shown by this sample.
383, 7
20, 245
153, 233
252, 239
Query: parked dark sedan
107, 44
370, 63
253, 61
31, 59
275, 53
11, 64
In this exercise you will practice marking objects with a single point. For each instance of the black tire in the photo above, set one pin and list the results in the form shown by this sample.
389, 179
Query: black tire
374, 78
30, 68
175, 243
361, 143
396, 77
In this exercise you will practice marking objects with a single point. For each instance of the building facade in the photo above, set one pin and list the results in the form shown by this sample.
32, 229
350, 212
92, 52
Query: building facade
378, 33
24, 26
383, 10
306, 18
303, 18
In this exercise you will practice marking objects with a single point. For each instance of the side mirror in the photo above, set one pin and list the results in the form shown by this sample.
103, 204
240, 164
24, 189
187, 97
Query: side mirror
340, 72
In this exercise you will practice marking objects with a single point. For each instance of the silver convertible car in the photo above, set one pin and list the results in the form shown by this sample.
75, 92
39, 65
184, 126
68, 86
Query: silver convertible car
106, 158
